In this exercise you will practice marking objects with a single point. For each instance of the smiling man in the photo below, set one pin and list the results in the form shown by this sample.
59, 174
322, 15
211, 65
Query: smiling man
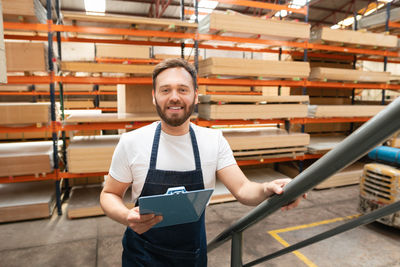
170, 153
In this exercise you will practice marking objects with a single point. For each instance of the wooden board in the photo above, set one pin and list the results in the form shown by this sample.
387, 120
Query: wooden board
24, 113
322, 144
78, 104
26, 158
336, 74
348, 176
251, 111
326, 34
91, 153
252, 67
23, 11
85, 202
236, 23
73, 51
330, 101
378, 19
25, 57
25, 201
259, 175
108, 104
135, 99
122, 51
106, 67
252, 99
224, 88
321, 111
262, 138
273, 90
112, 117
321, 92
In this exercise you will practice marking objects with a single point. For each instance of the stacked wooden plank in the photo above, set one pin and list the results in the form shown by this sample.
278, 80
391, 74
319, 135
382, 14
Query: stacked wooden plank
378, 20
322, 144
111, 117
336, 74
106, 67
203, 89
25, 57
26, 158
348, 176
24, 113
87, 154
360, 38
135, 99
241, 24
25, 201
251, 67
265, 142
24, 10
122, 51
251, 107
259, 175
323, 111
85, 202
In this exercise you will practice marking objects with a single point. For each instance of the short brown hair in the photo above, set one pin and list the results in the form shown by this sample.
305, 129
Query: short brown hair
175, 63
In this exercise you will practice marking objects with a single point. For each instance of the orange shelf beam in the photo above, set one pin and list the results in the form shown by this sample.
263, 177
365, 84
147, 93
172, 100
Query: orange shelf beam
273, 160
58, 93
30, 178
328, 120
67, 175
32, 128
208, 123
393, 24
105, 126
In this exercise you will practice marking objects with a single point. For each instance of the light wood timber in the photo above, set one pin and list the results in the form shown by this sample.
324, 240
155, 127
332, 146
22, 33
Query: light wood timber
24, 113
122, 51
322, 111
25, 57
323, 144
106, 67
252, 99
320, 73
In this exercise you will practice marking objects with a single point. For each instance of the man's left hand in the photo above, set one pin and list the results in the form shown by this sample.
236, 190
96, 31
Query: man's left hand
276, 187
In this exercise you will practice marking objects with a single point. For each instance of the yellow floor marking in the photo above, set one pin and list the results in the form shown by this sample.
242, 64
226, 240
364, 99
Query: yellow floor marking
275, 234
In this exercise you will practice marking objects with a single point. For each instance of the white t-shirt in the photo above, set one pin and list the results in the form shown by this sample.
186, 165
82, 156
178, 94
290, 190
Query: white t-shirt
131, 159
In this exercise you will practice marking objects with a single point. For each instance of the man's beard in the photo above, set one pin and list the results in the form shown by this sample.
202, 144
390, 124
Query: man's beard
175, 120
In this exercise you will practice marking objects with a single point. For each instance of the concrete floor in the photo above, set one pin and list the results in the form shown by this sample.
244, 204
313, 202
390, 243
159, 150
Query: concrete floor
59, 241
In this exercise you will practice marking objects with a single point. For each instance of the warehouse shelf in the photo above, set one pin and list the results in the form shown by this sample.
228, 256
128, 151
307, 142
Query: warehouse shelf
30, 178
53, 127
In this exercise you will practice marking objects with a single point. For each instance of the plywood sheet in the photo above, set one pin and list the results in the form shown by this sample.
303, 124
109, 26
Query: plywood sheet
25, 57
112, 117
106, 67
24, 113
77, 104
26, 158
322, 144
251, 111
122, 51
235, 23
251, 67
91, 153
252, 99
25, 201
215, 88
135, 99
362, 38
320, 73
321, 111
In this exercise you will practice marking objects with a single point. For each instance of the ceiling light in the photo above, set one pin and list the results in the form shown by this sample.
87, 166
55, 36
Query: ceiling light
98, 6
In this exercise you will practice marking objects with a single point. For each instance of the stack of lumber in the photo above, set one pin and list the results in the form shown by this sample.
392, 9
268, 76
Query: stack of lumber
135, 99
259, 175
138, 69
122, 51
252, 67
26, 158
265, 142
273, 90
336, 74
25, 56
378, 20
322, 144
24, 113
111, 117
324, 111
359, 38
247, 26
203, 89
348, 176
24, 11
87, 154
85, 201
251, 107
25, 201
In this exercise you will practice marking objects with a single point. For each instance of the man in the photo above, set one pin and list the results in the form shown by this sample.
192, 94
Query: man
170, 153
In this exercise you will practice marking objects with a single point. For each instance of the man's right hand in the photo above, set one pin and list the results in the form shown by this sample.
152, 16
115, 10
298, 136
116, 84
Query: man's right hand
141, 223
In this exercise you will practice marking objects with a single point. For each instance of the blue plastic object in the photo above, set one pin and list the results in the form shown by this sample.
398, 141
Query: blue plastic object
386, 154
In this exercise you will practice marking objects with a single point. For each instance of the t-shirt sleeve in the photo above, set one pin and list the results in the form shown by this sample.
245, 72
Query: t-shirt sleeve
225, 154
119, 168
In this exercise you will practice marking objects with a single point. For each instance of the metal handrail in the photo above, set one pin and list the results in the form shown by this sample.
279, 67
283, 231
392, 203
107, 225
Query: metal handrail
372, 133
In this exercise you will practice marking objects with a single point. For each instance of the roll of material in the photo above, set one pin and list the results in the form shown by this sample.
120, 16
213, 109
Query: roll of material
385, 154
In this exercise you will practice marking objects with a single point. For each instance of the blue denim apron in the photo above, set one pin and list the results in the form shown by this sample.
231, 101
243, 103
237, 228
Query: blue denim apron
178, 245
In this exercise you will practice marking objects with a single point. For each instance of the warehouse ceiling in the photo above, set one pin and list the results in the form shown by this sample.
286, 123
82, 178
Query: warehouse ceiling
321, 12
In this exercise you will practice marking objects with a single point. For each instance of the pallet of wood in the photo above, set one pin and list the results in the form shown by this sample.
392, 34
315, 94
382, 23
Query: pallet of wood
24, 113
324, 111
214, 66
85, 202
348, 176
350, 37
335, 74
24, 56
122, 51
323, 144
24, 11
265, 142
26, 158
87, 154
260, 175
378, 19
26, 201
75, 66
220, 23
251, 107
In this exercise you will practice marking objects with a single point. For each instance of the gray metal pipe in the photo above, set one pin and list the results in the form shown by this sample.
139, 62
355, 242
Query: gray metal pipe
372, 133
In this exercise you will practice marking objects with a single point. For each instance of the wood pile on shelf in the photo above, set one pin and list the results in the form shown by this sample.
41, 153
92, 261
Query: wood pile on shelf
323, 144
265, 142
24, 113
26, 201
25, 57
336, 74
326, 111
377, 21
24, 11
213, 107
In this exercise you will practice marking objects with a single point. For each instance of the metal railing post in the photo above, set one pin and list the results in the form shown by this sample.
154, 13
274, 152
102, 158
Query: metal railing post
236, 249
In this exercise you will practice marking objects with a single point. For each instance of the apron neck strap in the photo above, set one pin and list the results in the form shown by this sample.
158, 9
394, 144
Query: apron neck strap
156, 142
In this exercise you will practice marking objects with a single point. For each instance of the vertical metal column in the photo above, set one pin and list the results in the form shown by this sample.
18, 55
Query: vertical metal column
52, 104
355, 27
196, 42
385, 59
236, 249
182, 2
